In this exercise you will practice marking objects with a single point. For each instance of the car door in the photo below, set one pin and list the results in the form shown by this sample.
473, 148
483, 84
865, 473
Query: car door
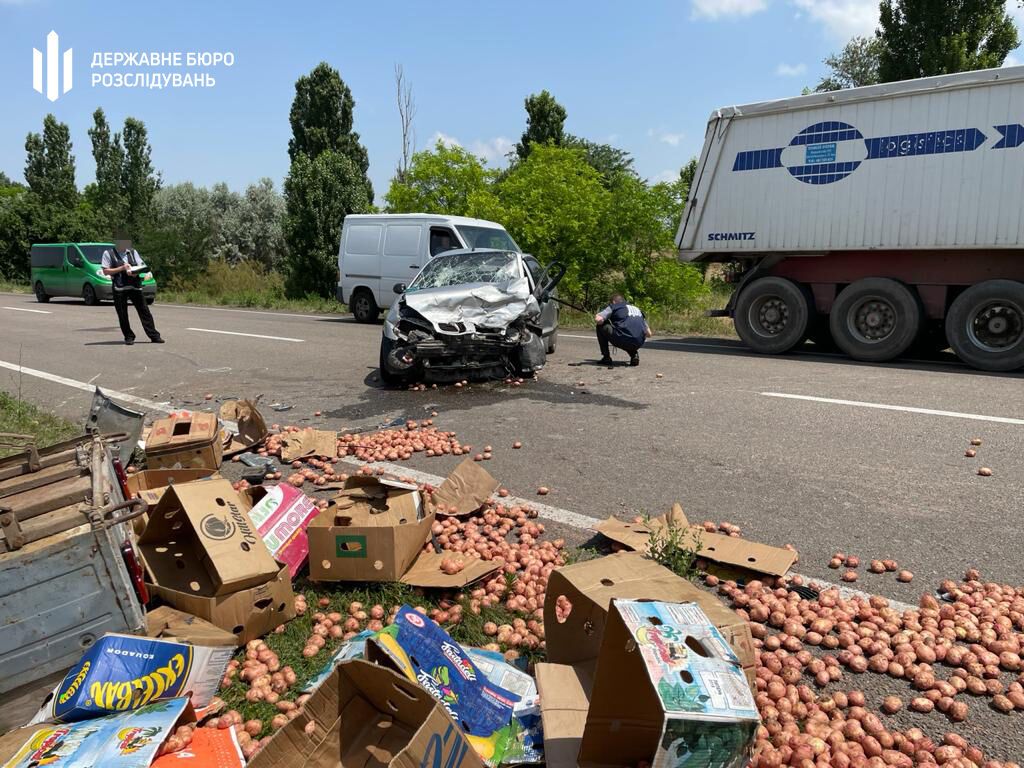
403, 255
61, 279
76, 276
549, 308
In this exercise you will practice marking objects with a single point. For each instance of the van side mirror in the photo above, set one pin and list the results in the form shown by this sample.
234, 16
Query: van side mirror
399, 288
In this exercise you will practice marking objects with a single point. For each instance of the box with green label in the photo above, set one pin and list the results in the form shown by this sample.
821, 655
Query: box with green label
373, 530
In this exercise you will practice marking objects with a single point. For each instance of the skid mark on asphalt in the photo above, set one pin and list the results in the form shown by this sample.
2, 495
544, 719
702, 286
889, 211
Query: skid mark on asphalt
903, 408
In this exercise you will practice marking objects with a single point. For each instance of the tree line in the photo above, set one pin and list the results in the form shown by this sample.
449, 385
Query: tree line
561, 196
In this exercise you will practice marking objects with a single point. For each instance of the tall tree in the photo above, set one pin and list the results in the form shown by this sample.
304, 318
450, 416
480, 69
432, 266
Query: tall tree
139, 180
319, 193
50, 166
322, 118
406, 114
106, 193
545, 123
442, 180
856, 65
607, 160
937, 37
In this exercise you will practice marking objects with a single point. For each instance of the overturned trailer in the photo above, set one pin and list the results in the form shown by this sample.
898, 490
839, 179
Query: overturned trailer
472, 314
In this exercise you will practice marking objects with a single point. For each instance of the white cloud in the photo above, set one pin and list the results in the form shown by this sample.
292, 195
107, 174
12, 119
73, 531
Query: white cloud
843, 18
724, 9
444, 138
493, 150
791, 70
666, 176
666, 137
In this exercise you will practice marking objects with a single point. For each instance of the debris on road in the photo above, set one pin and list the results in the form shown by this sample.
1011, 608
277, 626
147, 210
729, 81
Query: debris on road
985, 472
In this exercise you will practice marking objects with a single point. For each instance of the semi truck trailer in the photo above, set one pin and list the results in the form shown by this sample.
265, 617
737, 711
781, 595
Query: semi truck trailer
879, 219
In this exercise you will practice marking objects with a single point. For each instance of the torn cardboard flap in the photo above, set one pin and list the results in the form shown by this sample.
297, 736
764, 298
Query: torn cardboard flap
309, 442
169, 623
368, 715
724, 550
564, 700
426, 571
244, 425
200, 540
465, 490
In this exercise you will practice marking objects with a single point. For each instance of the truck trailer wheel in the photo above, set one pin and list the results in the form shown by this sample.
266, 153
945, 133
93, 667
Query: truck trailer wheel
985, 325
773, 315
875, 319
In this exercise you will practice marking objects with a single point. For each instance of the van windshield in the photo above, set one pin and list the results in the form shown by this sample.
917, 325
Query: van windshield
487, 237
462, 268
93, 253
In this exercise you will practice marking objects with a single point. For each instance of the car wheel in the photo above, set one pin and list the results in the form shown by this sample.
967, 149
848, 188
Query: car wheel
552, 342
386, 375
89, 295
364, 308
985, 325
773, 315
875, 319
41, 296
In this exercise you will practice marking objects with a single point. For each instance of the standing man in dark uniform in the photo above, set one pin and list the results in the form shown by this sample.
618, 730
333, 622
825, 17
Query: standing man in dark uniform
125, 270
624, 326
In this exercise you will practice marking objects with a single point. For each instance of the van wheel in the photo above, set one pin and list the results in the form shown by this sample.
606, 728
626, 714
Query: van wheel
41, 296
364, 308
89, 295
985, 325
875, 319
773, 315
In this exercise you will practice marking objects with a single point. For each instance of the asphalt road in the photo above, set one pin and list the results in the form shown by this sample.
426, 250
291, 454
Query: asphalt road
720, 431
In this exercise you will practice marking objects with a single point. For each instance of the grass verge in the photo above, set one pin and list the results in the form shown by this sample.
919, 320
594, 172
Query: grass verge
15, 286
21, 418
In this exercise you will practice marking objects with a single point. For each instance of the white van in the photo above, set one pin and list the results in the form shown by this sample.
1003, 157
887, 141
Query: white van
381, 251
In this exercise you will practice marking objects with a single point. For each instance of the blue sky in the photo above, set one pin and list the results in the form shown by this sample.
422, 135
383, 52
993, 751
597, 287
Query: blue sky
643, 76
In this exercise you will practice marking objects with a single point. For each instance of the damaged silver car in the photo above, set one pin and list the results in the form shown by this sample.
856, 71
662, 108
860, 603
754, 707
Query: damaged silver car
472, 314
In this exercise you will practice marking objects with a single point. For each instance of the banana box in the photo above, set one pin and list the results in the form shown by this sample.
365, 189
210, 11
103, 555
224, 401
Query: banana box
120, 673
419, 649
125, 740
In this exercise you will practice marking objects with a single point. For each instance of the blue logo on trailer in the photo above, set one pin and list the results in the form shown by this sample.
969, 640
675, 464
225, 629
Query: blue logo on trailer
827, 152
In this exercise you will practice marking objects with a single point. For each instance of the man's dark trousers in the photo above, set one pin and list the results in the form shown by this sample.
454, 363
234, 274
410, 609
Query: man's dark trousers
604, 337
121, 299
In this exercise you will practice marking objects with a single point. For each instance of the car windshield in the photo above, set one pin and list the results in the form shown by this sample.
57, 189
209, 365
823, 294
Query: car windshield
487, 237
460, 268
93, 253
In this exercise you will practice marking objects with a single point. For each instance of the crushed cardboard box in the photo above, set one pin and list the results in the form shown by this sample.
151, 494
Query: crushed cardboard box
282, 513
592, 585
367, 715
243, 426
169, 623
150, 484
733, 556
200, 540
185, 440
465, 490
374, 530
666, 690
308, 442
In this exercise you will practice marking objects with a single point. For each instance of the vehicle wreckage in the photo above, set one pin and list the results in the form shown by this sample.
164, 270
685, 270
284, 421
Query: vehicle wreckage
477, 314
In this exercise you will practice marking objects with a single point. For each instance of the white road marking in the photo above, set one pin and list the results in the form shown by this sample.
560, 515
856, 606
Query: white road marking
254, 311
25, 309
85, 387
904, 408
250, 335
661, 341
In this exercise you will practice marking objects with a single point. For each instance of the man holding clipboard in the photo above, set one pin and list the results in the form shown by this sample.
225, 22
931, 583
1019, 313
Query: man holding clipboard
125, 268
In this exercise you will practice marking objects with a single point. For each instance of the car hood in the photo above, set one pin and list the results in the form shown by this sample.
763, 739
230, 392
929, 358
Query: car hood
458, 309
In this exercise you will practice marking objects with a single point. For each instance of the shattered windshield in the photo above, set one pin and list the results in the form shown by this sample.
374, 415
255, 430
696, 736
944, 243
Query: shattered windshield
487, 237
460, 268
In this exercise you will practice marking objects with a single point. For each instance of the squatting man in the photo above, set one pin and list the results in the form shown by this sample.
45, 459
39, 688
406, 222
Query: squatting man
623, 326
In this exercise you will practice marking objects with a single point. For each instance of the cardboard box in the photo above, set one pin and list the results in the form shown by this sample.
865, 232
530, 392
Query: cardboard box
171, 624
591, 586
243, 426
465, 490
734, 558
668, 690
185, 441
365, 715
372, 531
564, 701
309, 442
422, 651
282, 513
150, 484
199, 540
246, 614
